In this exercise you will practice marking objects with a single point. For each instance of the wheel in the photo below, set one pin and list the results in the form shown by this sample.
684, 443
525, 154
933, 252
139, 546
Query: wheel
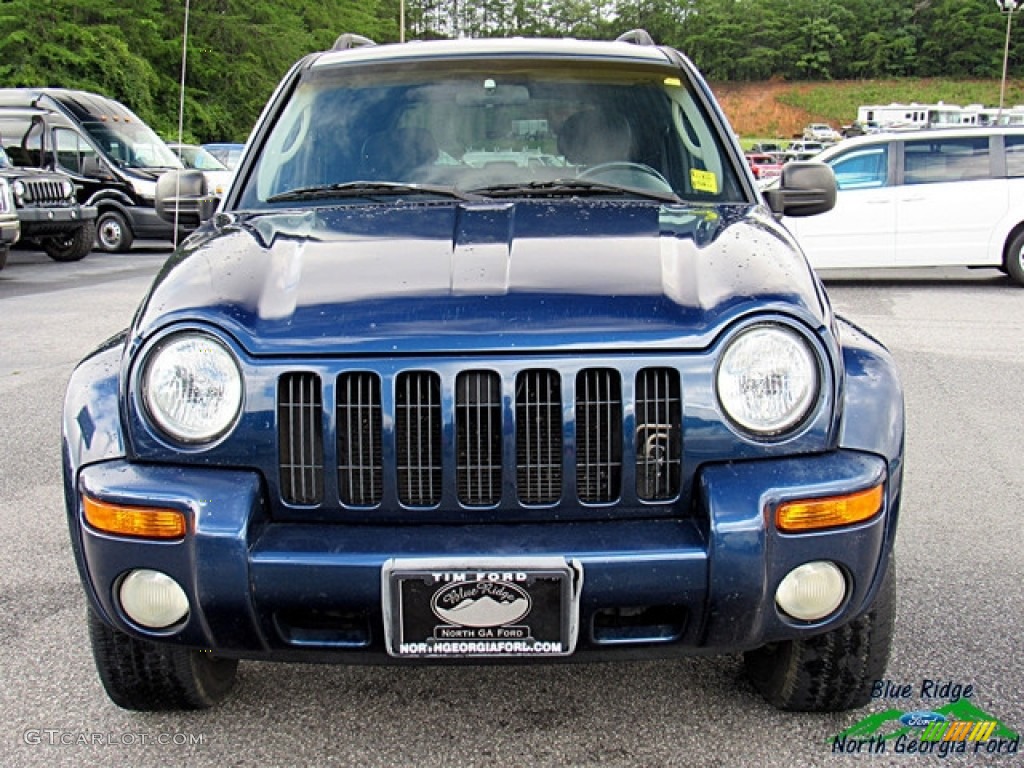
147, 676
629, 174
73, 247
1014, 262
113, 233
833, 671
4, 252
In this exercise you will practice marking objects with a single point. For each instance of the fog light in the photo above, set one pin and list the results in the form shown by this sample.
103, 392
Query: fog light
153, 599
811, 591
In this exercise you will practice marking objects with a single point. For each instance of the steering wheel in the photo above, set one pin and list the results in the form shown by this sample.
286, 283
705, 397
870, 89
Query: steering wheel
624, 168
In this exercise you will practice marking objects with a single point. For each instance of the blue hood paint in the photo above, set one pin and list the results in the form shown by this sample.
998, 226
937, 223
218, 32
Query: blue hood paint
414, 278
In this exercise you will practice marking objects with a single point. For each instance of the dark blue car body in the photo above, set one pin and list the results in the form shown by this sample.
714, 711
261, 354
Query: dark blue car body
280, 563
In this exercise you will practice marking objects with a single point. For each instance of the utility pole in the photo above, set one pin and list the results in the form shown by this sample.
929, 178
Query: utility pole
1008, 7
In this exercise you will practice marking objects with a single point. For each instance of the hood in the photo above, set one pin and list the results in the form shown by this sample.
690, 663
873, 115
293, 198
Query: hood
516, 276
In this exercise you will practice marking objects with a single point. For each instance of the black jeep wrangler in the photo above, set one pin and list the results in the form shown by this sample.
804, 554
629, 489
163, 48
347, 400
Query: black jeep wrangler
49, 212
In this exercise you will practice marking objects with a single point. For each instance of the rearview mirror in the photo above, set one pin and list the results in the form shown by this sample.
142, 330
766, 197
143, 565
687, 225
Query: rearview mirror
804, 189
184, 193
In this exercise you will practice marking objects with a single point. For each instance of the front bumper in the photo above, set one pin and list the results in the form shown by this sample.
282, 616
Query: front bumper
704, 582
36, 222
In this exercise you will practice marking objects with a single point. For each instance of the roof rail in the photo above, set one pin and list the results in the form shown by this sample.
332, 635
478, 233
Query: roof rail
348, 41
637, 36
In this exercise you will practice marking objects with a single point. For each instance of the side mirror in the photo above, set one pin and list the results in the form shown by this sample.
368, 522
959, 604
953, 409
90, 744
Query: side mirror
184, 193
804, 189
95, 168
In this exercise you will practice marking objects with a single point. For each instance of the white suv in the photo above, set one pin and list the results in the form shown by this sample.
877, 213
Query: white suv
930, 198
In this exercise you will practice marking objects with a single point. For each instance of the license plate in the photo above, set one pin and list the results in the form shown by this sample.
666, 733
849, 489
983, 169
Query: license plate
481, 607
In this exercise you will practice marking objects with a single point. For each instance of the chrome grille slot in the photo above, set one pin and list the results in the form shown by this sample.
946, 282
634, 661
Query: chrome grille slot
598, 435
360, 463
539, 436
418, 438
478, 437
658, 427
300, 438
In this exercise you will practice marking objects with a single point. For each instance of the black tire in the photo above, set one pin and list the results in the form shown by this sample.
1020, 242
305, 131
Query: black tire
1014, 262
146, 676
73, 247
4, 253
113, 233
830, 672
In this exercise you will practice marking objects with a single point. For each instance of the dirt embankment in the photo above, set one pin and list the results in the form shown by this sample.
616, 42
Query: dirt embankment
753, 109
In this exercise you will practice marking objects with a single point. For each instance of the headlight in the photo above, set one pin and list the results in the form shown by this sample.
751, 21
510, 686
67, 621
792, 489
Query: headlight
144, 188
19, 189
192, 387
767, 379
68, 188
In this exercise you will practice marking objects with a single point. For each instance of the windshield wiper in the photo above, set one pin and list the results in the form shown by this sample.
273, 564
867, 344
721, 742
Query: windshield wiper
560, 187
369, 189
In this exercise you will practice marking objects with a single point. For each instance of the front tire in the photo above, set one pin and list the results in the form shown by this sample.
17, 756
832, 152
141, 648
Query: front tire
73, 247
113, 233
4, 253
1014, 262
831, 672
146, 676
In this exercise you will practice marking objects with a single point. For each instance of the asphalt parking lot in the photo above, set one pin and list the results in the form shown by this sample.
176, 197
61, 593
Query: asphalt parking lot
957, 337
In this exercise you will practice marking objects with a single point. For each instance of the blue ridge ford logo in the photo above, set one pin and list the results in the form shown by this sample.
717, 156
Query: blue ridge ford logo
481, 603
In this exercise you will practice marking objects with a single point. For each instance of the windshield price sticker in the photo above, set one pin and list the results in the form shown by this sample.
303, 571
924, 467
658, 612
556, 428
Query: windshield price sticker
444, 609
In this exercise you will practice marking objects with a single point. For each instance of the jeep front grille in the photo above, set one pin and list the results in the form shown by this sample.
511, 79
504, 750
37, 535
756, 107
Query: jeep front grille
509, 436
42, 192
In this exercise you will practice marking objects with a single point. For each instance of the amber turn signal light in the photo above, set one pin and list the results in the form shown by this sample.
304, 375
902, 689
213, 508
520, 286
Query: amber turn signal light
140, 522
829, 512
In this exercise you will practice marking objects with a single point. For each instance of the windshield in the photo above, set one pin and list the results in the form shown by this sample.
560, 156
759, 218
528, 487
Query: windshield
492, 127
132, 145
198, 158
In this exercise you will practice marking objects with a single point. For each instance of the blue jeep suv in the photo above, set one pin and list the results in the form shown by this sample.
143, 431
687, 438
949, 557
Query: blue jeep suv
492, 352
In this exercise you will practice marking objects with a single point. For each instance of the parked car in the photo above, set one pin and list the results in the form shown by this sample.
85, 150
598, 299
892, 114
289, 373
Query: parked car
111, 155
228, 154
218, 177
940, 197
858, 128
767, 148
10, 229
383, 406
822, 132
801, 150
763, 166
48, 211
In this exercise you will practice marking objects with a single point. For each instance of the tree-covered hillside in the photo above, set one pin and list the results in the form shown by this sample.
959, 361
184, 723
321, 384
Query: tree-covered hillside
238, 49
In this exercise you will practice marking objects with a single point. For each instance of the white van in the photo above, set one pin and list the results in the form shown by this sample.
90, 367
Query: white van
934, 197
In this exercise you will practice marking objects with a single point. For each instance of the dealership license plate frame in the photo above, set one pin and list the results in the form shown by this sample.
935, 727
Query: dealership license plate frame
417, 594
